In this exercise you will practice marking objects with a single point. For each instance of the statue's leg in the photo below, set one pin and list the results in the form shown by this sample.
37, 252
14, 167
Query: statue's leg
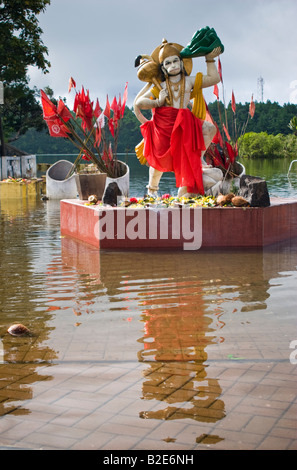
208, 131
154, 179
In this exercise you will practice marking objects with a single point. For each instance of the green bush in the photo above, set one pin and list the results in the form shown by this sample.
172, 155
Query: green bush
263, 145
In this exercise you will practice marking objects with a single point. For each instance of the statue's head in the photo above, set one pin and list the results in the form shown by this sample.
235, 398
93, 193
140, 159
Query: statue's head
169, 58
152, 66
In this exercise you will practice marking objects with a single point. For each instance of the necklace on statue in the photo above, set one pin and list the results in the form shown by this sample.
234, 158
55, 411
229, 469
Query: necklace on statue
176, 90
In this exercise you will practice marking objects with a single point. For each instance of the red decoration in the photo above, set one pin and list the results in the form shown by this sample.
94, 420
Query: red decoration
226, 132
233, 103
72, 84
252, 107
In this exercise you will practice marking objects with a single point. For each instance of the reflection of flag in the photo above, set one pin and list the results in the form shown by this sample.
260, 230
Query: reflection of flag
252, 107
233, 103
216, 91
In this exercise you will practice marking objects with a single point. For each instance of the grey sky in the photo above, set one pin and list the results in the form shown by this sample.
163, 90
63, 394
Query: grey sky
96, 42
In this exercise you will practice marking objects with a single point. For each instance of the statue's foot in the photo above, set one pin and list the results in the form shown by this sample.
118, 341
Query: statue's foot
182, 191
152, 193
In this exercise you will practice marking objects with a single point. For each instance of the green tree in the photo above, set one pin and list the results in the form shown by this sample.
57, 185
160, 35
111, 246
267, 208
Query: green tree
21, 43
269, 117
263, 145
21, 111
293, 124
20, 47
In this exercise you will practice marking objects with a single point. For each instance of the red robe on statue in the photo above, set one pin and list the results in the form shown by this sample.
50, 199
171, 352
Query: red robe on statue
173, 141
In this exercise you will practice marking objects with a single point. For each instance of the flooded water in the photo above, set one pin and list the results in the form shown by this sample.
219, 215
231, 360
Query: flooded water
141, 351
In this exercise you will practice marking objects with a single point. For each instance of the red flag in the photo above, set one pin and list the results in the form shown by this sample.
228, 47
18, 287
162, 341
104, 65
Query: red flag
83, 108
252, 107
220, 70
50, 115
107, 108
233, 103
56, 128
111, 126
97, 110
116, 110
98, 136
216, 91
125, 96
63, 111
217, 159
49, 109
218, 139
226, 132
72, 84
230, 152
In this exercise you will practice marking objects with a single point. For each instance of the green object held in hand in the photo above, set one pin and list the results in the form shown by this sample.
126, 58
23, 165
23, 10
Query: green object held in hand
204, 41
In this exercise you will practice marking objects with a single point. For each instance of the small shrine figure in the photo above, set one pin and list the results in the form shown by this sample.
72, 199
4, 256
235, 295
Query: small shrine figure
177, 136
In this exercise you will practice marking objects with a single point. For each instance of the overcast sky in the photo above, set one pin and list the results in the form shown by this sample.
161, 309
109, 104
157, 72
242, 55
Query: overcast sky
96, 42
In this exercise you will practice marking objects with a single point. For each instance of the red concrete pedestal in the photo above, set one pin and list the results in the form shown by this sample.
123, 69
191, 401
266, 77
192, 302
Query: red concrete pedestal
179, 229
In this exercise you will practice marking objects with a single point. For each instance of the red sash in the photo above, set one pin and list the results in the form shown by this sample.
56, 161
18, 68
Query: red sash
173, 141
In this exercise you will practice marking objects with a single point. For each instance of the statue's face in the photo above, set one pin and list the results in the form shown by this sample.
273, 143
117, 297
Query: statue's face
172, 65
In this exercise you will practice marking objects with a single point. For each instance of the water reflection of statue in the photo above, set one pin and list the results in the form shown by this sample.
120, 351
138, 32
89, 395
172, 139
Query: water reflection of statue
175, 139
176, 379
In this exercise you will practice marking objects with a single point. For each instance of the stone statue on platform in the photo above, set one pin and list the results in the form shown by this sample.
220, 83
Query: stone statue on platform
177, 136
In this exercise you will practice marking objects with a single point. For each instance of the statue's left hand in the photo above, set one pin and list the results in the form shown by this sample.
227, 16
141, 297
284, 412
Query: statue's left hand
214, 53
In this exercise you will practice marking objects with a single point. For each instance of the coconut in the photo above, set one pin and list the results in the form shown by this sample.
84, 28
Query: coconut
18, 329
239, 201
223, 199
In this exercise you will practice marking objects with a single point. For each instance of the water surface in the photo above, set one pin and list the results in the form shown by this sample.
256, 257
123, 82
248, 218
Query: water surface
153, 350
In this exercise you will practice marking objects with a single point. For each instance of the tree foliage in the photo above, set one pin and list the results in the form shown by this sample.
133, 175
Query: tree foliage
269, 117
21, 46
293, 124
263, 145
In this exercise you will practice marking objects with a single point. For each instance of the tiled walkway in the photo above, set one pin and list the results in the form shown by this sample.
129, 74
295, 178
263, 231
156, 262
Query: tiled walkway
249, 405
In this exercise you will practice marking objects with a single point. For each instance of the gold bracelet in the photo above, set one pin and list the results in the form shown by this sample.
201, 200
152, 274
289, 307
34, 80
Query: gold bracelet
209, 60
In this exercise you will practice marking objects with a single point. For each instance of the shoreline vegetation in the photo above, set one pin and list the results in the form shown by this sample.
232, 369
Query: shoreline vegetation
263, 145
267, 135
